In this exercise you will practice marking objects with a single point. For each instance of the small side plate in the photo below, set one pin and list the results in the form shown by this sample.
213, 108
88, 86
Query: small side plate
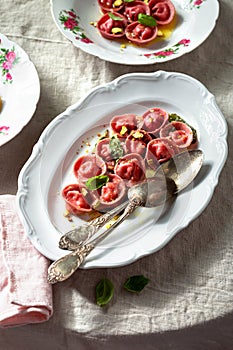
19, 89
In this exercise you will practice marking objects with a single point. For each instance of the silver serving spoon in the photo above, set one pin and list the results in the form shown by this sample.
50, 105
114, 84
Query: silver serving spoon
171, 177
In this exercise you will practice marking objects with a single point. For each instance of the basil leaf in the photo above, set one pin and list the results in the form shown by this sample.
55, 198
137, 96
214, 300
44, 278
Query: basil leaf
129, 0
173, 117
148, 21
116, 18
96, 182
136, 283
115, 148
104, 292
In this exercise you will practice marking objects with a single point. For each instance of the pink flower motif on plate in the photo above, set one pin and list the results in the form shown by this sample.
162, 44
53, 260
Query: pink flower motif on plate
8, 76
7, 65
71, 14
169, 52
11, 56
184, 42
86, 40
8, 59
164, 53
4, 129
70, 21
196, 3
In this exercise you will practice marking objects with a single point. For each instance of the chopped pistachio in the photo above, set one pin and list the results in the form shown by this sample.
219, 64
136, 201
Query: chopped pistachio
116, 30
150, 161
66, 213
96, 204
123, 130
84, 191
108, 225
150, 173
150, 120
137, 134
103, 136
159, 33
117, 3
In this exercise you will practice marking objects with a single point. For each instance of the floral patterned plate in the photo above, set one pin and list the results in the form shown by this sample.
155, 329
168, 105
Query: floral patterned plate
19, 89
195, 20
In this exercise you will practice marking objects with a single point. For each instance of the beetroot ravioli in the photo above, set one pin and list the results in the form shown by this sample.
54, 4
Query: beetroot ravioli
110, 5
112, 25
179, 132
134, 8
89, 166
162, 10
137, 142
137, 21
122, 125
131, 168
76, 202
154, 120
110, 195
122, 158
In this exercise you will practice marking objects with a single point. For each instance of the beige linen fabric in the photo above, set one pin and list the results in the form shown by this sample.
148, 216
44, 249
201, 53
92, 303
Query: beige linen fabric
189, 302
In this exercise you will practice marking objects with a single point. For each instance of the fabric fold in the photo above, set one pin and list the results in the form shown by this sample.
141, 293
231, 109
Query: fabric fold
25, 294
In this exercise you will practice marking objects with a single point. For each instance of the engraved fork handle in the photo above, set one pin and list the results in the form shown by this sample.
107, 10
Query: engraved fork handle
82, 234
64, 267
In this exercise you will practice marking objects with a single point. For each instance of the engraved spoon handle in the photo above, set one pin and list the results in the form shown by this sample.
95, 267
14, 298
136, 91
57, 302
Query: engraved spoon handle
82, 234
132, 205
63, 268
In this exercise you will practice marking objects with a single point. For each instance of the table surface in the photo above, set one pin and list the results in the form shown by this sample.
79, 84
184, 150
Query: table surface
189, 301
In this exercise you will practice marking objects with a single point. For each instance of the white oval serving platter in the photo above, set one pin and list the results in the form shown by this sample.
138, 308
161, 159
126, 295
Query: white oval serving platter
49, 167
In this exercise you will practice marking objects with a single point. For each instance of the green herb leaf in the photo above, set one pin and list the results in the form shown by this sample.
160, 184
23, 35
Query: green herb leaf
173, 117
116, 148
104, 292
148, 21
129, 0
136, 283
116, 18
96, 182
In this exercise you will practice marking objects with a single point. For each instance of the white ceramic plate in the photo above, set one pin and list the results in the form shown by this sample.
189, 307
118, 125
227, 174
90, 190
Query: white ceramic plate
19, 89
195, 21
49, 166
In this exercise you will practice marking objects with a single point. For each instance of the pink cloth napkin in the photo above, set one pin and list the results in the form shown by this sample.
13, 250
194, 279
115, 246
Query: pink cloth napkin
25, 294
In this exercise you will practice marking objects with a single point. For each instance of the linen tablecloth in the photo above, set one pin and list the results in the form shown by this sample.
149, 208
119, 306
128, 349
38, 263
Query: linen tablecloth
188, 303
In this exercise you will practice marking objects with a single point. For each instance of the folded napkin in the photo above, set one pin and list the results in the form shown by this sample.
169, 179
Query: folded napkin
25, 295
